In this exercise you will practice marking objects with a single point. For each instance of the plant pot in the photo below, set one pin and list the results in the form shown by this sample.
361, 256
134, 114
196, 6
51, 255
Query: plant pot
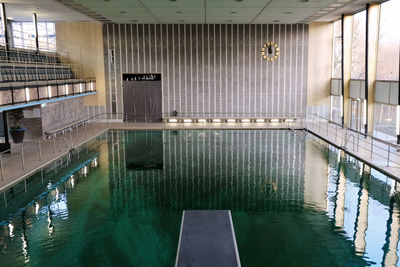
17, 135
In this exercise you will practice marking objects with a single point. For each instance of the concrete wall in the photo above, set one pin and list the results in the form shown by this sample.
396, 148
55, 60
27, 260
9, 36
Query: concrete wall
319, 65
83, 41
211, 68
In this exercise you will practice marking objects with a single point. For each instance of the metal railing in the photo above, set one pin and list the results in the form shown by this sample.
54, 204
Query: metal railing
53, 143
366, 146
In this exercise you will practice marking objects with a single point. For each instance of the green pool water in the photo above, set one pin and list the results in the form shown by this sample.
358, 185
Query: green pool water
295, 201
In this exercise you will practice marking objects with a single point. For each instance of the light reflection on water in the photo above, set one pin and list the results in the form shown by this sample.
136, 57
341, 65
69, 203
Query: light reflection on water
294, 201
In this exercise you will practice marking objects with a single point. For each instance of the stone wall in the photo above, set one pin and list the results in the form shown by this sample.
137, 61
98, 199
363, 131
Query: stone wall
60, 113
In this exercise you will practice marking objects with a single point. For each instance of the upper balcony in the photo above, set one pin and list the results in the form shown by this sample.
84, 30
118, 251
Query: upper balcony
28, 77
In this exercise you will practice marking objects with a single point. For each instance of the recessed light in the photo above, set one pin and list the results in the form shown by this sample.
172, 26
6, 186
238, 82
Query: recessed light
276, 20
288, 12
304, 1
172, 0
229, 20
233, 12
106, 0
178, 12
181, 20
239, 0
122, 12
134, 20
336, 5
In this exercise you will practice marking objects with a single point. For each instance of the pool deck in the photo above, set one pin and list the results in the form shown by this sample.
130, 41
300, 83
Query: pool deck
207, 238
13, 172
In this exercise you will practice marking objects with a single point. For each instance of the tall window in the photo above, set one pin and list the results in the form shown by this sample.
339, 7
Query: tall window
389, 42
337, 50
358, 46
2, 36
24, 35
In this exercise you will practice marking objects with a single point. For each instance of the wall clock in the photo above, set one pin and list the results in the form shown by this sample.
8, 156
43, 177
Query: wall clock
270, 51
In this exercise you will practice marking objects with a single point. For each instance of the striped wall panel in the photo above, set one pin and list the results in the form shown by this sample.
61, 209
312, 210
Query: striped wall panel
213, 68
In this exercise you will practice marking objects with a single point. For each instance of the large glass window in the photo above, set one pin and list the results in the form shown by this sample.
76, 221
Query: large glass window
336, 106
24, 35
385, 121
337, 50
389, 41
2, 36
358, 46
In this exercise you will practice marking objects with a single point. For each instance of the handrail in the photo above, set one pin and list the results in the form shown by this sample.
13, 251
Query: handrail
50, 135
358, 132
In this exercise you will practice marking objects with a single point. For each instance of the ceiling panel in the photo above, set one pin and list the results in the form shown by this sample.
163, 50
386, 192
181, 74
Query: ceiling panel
47, 10
185, 11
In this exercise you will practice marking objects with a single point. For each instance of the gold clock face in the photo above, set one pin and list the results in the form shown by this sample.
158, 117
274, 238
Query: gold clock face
270, 51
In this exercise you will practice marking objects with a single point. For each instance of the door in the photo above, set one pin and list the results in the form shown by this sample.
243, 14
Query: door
142, 96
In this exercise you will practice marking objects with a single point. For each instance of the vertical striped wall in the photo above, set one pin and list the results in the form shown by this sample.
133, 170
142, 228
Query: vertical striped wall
213, 68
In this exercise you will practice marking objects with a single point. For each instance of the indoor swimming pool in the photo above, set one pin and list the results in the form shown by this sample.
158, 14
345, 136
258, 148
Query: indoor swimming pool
118, 201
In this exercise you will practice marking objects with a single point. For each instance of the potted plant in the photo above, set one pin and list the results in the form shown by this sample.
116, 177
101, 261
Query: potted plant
17, 130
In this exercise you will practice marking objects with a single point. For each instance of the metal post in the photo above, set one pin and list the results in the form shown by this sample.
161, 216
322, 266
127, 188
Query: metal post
23, 160
36, 31
54, 144
388, 156
372, 146
342, 43
2, 171
5, 29
40, 151
366, 65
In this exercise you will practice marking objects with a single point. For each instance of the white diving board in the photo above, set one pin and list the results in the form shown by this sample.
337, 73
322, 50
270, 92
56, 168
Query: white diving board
207, 238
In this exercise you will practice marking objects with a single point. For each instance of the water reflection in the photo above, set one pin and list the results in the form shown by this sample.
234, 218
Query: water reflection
264, 171
49, 205
285, 190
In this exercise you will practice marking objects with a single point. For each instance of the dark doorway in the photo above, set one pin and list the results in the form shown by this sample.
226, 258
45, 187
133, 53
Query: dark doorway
142, 97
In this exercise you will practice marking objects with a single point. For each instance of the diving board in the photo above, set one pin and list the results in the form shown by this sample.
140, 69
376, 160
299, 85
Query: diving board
207, 238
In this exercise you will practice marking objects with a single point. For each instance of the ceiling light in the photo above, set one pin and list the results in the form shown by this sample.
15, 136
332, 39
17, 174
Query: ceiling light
178, 12
288, 12
336, 5
122, 12
233, 12
274, 120
134, 20
216, 120
172, 0
304, 1
201, 120
172, 120
182, 20
245, 120
230, 120
229, 20
328, 9
239, 0
276, 20
187, 120
260, 120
